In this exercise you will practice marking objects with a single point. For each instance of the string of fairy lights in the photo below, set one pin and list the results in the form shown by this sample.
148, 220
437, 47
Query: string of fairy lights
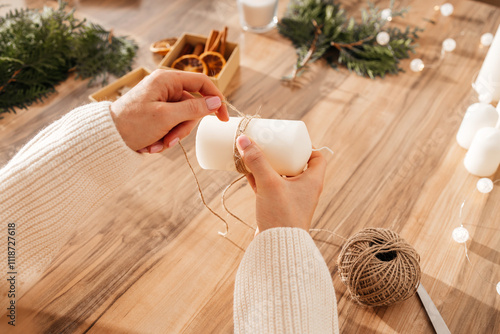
449, 44
461, 234
484, 185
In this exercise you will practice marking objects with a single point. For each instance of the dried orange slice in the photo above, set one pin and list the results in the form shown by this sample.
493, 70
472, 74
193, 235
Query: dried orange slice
163, 47
215, 62
190, 63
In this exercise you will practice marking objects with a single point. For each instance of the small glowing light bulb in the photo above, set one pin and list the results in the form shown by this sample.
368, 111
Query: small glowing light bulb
485, 97
498, 288
484, 185
449, 45
487, 39
446, 9
383, 38
417, 65
386, 14
460, 234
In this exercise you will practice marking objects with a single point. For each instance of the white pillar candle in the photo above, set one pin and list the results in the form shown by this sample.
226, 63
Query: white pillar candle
285, 144
483, 156
488, 79
477, 116
258, 13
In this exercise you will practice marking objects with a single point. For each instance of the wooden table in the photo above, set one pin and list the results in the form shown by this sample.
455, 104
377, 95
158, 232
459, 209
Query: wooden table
150, 260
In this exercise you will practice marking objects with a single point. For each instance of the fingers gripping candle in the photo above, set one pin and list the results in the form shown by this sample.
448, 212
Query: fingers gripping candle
285, 144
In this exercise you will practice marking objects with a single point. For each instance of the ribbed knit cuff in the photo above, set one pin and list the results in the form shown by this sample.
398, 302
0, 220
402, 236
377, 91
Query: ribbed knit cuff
284, 286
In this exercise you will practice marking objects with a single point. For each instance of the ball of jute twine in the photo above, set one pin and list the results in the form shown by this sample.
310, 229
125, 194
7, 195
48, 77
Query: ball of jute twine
379, 267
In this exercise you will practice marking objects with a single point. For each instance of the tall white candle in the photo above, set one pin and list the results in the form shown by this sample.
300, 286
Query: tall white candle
488, 79
478, 116
258, 13
483, 156
285, 144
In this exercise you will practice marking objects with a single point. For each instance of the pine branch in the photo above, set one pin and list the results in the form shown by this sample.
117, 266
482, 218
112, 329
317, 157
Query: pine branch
38, 49
302, 63
345, 41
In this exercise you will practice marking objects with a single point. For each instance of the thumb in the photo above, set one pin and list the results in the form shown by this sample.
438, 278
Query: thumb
255, 160
195, 108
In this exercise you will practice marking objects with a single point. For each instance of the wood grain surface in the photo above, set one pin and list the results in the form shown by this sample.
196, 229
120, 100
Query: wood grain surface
150, 260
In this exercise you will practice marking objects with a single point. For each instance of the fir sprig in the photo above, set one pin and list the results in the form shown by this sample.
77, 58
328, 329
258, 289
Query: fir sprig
320, 29
38, 49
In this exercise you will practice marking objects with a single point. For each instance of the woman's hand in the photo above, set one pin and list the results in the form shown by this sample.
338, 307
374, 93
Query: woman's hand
282, 202
159, 111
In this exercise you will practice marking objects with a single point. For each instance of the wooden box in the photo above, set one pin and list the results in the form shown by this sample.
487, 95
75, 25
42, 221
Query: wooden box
110, 92
232, 56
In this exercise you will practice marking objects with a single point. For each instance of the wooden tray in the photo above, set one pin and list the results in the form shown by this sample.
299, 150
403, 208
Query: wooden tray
110, 92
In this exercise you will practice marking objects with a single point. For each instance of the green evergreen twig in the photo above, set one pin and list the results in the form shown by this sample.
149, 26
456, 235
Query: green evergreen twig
345, 41
38, 49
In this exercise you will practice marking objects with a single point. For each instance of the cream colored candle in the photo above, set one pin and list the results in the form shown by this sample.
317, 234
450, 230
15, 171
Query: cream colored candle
258, 13
286, 144
483, 156
488, 79
478, 116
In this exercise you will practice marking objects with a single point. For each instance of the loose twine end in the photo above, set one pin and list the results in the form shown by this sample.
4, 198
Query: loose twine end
324, 148
201, 193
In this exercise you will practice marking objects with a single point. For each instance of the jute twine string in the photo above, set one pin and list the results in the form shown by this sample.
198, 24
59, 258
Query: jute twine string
238, 163
223, 199
242, 126
201, 193
379, 267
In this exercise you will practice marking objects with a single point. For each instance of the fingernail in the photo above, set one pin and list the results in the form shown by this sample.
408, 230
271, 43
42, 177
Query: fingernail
243, 142
156, 148
213, 102
142, 150
173, 142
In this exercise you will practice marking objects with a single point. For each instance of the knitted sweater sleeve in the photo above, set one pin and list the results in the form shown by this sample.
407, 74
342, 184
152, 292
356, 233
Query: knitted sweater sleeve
283, 285
51, 185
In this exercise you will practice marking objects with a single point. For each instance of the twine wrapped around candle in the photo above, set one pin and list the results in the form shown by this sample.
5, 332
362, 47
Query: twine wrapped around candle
379, 268
238, 161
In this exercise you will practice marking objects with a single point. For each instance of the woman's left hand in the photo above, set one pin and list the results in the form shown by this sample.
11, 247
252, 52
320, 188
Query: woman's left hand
159, 111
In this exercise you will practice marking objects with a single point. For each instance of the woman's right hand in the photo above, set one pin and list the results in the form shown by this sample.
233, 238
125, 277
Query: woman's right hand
282, 202
159, 111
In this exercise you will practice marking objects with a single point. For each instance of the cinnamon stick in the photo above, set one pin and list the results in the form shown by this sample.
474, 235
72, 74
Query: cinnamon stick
222, 48
188, 49
198, 49
211, 38
216, 43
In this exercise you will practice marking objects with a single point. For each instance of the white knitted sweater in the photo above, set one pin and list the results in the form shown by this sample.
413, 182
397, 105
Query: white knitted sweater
283, 284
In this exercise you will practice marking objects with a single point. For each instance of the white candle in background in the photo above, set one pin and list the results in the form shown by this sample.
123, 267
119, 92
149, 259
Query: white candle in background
488, 79
257, 15
483, 156
286, 144
478, 115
